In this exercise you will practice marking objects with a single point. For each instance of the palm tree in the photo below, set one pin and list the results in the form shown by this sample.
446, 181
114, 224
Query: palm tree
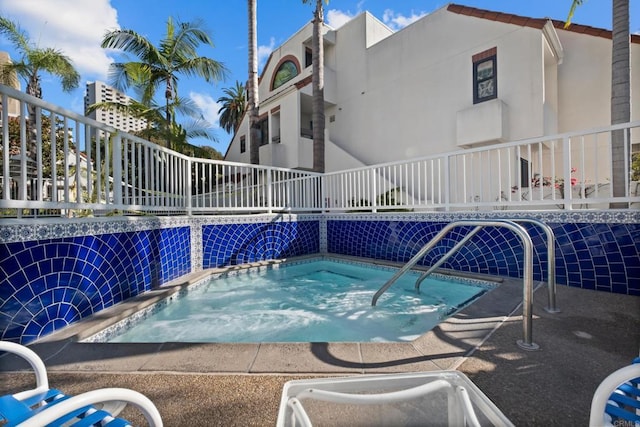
34, 60
317, 83
233, 107
252, 86
620, 91
162, 65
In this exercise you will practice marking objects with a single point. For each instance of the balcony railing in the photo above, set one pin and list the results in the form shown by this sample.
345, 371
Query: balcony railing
567, 171
56, 162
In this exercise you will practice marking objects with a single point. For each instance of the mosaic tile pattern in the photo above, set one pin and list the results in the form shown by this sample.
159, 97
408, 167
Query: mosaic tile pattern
323, 236
598, 256
56, 271
196, 247
24, 230
556, 216
231, 244
50, 283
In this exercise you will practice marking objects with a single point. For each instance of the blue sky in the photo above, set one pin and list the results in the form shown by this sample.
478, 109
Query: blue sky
77, 26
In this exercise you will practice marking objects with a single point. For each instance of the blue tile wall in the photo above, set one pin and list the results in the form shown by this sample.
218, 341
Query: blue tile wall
599, 256
231, 244
174, 251
48, 284
55, 273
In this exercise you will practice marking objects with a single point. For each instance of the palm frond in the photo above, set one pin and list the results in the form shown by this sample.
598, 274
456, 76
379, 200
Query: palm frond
131, 42
186, 107
206, 68
56, 63
200, 128
122, 75
14, 34
184, 42
572, 10
9, 74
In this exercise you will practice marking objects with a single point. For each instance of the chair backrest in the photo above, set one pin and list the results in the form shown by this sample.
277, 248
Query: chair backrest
45, 406
616, 401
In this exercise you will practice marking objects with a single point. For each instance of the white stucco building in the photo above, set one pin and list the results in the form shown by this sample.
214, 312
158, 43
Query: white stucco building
459, 77
14, 105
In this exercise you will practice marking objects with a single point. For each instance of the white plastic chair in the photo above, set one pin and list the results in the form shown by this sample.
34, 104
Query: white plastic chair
616, 401
44, 406
415, 398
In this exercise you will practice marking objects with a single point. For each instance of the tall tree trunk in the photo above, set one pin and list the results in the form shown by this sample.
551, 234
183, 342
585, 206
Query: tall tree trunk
33, 89
620, 96
317, 117
252, 93
168, 94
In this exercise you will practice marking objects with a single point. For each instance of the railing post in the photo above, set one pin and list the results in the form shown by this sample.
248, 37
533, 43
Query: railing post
22, 189
447, 183
39, 185
117, 169
566, 165
189, 187
5, 149
374, 191
269, 191
324, 205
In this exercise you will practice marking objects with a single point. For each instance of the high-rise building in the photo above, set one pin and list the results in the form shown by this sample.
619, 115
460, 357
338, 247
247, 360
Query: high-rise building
98, 92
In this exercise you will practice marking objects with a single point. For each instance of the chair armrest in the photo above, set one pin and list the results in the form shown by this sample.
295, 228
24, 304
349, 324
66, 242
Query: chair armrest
608, 386
42, 382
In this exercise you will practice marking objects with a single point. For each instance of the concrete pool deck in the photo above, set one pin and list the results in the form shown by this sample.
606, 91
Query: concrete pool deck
240, 384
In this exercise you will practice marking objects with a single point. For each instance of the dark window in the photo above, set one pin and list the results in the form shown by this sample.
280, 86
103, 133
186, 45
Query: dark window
286, 72
243, 144
485, 82
524, 173
264, 131
308, 58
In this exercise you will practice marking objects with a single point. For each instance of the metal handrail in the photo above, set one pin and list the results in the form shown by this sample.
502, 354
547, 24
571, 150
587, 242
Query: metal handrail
551, 274
527, 294
551, 261
446, 256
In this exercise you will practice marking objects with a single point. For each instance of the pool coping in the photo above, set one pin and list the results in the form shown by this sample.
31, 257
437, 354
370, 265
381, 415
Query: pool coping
443, 347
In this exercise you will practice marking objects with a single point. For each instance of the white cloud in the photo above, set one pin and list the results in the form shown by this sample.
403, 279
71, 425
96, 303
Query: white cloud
337, 18
397, 21
76, 27
264, 51
208, 106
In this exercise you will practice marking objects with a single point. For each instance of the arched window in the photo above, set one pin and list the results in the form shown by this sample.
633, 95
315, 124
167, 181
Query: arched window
286, 72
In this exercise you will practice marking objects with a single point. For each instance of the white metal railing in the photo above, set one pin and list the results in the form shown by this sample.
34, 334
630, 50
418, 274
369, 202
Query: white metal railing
57, 162
567, 171
238, 187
